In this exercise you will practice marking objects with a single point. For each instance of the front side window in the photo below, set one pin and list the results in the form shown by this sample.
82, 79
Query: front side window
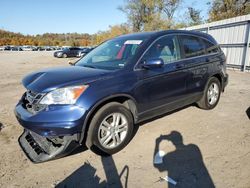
166, 48
192, 46
113, 54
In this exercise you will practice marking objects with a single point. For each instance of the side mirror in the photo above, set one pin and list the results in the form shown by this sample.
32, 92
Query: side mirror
72, 64
153, 63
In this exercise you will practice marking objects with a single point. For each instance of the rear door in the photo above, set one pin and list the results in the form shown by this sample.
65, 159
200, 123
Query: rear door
166, 86
197, 64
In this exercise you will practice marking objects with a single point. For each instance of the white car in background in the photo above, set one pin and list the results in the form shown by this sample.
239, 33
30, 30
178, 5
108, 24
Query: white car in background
27, 48
2, 48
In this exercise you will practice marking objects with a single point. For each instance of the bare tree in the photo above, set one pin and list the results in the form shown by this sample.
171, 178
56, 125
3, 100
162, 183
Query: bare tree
141, 13
194, 16
134, 10
169, 7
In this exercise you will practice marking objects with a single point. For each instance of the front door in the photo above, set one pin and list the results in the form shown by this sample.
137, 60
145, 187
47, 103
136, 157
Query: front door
166, 86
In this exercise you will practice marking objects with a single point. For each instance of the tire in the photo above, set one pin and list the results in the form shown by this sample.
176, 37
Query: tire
64, 56
103, 135
207, 102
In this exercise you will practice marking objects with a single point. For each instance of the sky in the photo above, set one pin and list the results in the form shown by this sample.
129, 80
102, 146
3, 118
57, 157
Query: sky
67, 16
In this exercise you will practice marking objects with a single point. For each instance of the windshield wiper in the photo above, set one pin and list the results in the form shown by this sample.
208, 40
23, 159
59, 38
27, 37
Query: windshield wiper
89, 66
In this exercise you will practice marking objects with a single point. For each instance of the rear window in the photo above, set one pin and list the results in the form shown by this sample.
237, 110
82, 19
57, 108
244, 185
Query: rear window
210, 47
192, 46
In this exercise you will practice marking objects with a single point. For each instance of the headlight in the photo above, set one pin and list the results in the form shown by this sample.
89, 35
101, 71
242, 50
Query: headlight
67, 95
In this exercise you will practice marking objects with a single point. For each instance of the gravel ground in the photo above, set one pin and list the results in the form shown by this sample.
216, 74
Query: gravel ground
203, 148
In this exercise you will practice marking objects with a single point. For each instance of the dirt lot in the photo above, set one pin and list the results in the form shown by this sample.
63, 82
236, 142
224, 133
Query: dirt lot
216, 144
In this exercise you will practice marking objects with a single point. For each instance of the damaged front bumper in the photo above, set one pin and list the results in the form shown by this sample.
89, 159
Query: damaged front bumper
50, 133
39, 148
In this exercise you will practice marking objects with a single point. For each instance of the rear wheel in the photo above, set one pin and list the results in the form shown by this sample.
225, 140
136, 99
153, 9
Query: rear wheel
111, 128
211, 94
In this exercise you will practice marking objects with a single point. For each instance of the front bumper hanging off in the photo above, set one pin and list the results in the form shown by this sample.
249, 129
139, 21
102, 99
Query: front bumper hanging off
39, 148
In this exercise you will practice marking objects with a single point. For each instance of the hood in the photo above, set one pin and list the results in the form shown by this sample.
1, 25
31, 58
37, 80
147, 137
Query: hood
49, 79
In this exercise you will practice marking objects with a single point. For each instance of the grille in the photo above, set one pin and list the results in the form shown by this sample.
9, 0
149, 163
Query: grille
33, 97
31, 101
41, 144
34, 145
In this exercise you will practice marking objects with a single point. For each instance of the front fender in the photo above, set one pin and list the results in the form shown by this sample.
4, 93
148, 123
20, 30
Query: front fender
98, 105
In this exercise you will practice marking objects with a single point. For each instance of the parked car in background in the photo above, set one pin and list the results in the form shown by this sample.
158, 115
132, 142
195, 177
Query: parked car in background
2, 48
59, 48
28, 48
11, 48
124, 81
16, 48
40, 48
49, 48
7, 48
68, 52
84, 51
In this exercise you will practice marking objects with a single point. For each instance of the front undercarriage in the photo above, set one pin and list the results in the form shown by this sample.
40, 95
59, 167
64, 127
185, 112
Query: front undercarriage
40, 148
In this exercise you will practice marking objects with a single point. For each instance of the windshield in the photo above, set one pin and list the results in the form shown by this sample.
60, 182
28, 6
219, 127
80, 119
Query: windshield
111, 55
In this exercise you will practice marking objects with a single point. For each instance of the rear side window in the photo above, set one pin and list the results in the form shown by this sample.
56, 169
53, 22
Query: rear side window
192, 46
210, 47
166, 48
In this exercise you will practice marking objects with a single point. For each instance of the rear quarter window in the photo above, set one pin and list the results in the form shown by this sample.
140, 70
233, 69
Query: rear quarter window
210, 47
192, 46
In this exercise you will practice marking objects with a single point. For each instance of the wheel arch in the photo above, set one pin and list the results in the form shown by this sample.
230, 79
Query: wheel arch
219, 77
125, 99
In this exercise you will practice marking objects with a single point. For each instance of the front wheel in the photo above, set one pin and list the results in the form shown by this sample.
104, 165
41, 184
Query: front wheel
211, 94
111, 128
64, 55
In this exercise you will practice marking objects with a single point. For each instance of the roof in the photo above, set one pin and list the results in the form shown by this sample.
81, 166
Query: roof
155, 34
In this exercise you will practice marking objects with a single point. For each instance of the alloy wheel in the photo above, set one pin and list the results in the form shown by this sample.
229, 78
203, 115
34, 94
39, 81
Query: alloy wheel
213, 93
113, 130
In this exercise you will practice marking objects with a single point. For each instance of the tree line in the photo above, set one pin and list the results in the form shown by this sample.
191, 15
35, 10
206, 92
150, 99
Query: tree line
142, 15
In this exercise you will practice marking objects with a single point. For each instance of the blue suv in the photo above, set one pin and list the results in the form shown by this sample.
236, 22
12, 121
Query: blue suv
126, 80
